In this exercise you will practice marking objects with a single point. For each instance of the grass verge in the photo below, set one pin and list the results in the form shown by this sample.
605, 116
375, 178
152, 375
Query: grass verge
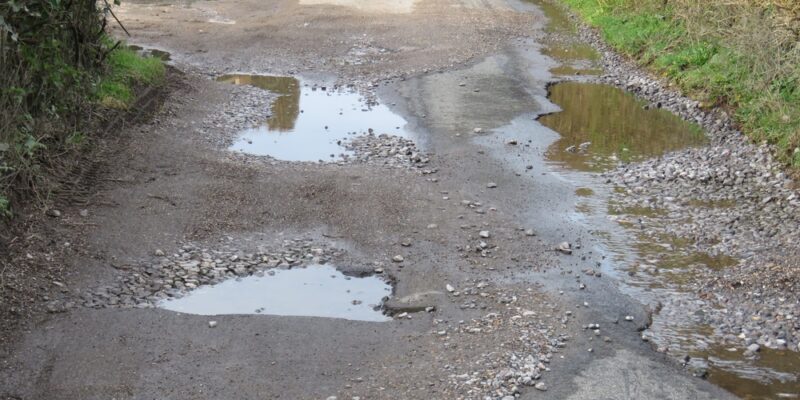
126, 70
741, 54
42, 137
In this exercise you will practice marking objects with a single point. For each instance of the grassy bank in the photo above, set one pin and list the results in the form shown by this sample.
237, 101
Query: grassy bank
126, 71
59, 75
742, 54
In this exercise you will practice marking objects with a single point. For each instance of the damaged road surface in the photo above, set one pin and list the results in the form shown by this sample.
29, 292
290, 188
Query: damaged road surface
381, 206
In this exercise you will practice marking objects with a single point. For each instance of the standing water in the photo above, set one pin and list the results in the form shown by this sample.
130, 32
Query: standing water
313, 291
310, 123
601, 126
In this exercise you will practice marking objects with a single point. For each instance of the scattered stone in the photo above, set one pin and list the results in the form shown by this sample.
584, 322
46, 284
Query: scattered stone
484, 234
212, 324
564, 247
450, 288
491, 185
398, 258
52, 212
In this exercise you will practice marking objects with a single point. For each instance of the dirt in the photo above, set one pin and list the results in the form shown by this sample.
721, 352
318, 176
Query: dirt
169, 182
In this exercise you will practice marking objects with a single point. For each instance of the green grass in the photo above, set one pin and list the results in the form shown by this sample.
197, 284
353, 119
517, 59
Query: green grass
126, 70
711, 69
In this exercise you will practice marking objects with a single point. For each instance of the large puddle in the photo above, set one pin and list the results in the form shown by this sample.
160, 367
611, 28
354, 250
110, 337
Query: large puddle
313, 291
308, 122
601, 126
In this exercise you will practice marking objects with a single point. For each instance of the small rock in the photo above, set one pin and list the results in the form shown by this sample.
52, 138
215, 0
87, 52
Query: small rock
450, 288
84, 213
484, 234
212, 324
491, 185
564, 247
53, 213
159, 253
530, 232
478, 130
398, 258
540, 386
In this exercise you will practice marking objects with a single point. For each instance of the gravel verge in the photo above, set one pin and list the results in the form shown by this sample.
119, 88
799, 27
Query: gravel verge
729, 197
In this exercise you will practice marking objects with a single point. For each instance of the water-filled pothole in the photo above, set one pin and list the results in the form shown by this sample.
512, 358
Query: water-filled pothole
147, 52
313, 291
309, 123
571, 52
601, 126
568, 70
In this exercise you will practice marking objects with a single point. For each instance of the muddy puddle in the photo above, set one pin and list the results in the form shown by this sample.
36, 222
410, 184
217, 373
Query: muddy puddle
311, 122
563, 44
147, 52
602, 126
313, 291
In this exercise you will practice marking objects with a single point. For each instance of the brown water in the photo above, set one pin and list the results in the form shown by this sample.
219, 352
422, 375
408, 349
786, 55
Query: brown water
615, 123
567, 70
571, 52
659, 268
557, 19
771, 375
564, 45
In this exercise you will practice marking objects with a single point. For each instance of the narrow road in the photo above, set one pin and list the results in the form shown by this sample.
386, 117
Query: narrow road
482, 306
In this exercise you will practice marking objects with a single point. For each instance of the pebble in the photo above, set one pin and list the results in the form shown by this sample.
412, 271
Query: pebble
491, 185
212, 324
398, 258
484, 234
564, 247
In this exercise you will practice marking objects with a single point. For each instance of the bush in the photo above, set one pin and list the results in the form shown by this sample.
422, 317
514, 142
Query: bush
56, 66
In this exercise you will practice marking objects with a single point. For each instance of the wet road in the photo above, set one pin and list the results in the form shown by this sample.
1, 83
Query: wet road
482, 105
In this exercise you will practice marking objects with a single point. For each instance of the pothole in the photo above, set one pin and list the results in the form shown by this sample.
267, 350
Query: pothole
312, 291
149, 52
312, 122
602, 126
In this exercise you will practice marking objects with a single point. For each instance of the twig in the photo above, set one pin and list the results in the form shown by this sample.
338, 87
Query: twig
110, 11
